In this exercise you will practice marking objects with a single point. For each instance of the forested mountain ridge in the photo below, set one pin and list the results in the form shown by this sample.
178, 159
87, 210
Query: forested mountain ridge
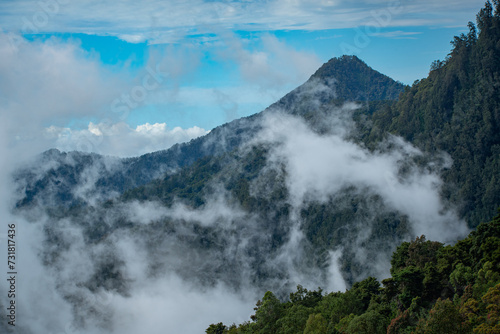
230, 179
51, 179
341, 79
431, 114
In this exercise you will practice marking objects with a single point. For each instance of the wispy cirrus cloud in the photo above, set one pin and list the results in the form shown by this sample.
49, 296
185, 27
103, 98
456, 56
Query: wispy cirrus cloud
398, 34
171, 21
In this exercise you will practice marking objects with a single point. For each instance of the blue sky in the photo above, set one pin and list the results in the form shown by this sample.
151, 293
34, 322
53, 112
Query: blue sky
99, 75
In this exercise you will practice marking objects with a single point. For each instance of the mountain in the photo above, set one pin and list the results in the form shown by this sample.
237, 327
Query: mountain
432, 288
57, 174
230, 169
356, 81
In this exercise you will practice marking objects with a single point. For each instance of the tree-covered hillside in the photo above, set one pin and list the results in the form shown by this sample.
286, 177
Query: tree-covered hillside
456, 109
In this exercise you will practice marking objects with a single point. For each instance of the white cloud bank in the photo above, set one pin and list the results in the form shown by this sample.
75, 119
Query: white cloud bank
120, 139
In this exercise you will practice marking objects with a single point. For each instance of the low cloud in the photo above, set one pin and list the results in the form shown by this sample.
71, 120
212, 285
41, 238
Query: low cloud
50, 82
321, 165
328, 168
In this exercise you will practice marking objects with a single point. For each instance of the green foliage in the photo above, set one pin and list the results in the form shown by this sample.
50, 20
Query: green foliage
316, 324
402, 323
294, 319
343, 325
365, 290
267, 314
444, 317
368, 322
216, 328
461, 277
491, 323
337, 305
305, 297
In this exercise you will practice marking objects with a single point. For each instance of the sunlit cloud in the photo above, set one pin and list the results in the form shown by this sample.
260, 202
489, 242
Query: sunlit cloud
120, 139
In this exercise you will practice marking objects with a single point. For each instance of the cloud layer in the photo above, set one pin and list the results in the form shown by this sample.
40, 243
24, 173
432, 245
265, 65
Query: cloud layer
170, 21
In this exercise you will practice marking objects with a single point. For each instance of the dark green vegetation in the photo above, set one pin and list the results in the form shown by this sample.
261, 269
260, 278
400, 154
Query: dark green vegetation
52, 178
432, 289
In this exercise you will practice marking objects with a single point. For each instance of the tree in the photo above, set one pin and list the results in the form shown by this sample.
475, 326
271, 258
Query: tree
461, 277
294, 319
305, 297
316, 324
443, 318
491, 322
370, 322
365, 290
402, 323
267, 314
410, 282
343, 324
216, 328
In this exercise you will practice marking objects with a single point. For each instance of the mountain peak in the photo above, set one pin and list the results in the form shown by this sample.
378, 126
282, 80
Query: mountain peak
356, 81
